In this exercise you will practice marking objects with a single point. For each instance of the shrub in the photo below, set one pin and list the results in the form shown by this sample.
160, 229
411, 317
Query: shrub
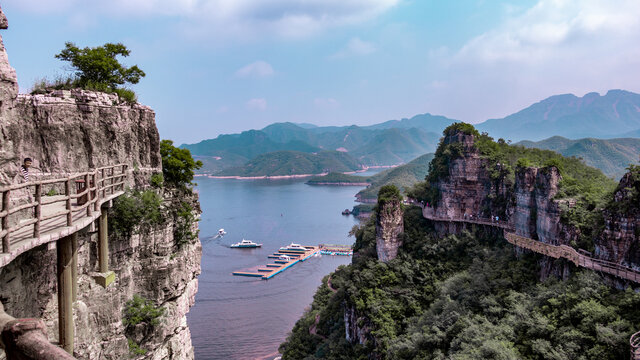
177, 165
157, 180
135, 349
139, 310
184, 220
141, 209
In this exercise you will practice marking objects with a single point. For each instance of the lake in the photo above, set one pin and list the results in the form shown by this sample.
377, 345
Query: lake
238, 317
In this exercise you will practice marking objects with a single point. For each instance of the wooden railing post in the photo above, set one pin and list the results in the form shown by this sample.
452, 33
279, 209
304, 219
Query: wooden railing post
38, 210
6, 246
87, 187
96, 204
67, 193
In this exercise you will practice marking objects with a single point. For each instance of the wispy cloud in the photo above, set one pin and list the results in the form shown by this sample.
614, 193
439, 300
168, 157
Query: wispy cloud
355, 47
556, 46
259, 104
244, 18
257, 69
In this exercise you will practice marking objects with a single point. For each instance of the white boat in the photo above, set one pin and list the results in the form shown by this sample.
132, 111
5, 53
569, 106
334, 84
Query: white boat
221, 232
245, 244
284, 257
294, 247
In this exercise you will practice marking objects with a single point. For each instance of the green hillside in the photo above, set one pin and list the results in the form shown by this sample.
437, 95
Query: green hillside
612, 156
403, 177
281, 163
336, 178
396, 146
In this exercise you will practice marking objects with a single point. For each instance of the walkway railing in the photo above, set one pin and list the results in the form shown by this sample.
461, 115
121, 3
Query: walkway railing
37, 220
555, 251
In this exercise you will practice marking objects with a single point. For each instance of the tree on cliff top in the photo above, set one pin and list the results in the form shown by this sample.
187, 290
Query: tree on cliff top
177, 164
98, 67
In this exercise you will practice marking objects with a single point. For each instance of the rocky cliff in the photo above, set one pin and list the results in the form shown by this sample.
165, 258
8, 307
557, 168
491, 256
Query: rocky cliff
389, 229
620, 239
74, 131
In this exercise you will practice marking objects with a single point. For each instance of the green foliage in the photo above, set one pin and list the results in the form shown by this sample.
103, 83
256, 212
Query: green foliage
184, 219
463, 297
52, 192
157, 180
387, 194
135, 210
135, 349
139, 310
177, 165
462, 127
284, 163
98, 66
337, 177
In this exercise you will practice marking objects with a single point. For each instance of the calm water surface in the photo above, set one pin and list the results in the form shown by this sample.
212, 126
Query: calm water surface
247, 318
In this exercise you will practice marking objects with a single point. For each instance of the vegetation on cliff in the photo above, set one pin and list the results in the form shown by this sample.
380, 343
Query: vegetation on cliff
612, 156
178, 165
461, 297
96, 68
285, 163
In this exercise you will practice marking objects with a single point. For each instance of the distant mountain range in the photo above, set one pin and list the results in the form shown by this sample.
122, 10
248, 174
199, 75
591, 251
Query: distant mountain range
588, 118
616, 114
287, 163
611, 156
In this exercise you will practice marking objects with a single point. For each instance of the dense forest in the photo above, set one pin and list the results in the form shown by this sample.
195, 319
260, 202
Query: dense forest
472, 295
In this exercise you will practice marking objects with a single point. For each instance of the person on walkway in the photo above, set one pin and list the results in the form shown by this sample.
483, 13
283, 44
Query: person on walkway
24, 169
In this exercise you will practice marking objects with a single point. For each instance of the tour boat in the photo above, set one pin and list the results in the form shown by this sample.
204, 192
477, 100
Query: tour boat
294, 247
245, 244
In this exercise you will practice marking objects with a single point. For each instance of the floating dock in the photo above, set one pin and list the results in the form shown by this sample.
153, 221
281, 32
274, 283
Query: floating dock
271, 270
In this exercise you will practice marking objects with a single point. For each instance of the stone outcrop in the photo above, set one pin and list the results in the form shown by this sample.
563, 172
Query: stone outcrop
74, 131
389, 229
620, 239
357, 328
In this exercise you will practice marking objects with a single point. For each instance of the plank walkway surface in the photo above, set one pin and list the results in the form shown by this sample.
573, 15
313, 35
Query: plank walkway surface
42, 219
271, 270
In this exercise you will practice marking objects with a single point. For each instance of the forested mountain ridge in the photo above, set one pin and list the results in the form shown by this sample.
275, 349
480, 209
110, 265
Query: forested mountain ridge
612, 156
461, 292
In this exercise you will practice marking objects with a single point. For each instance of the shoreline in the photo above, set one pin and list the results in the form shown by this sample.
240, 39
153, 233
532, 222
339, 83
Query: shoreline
295, 176
338, 183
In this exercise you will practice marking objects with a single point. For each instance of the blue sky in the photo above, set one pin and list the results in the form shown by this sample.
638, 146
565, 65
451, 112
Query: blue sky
224, 66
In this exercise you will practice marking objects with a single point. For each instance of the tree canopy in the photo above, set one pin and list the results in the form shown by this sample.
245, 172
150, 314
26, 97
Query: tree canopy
98, 66
177, 164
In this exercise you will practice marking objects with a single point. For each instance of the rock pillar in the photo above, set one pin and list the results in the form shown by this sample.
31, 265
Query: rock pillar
389, 223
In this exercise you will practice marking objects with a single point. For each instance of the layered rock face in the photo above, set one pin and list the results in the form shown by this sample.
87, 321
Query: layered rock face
150, 265
74, 131
389, 227
619, 241
357, 329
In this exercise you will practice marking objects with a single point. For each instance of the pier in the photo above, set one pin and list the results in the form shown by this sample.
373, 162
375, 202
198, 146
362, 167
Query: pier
280, 264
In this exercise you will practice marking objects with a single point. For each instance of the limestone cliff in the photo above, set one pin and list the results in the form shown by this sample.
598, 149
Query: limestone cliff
74, 131
389, 228
620, 238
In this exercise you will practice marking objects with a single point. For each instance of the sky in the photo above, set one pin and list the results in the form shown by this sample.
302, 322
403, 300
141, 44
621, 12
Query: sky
224, 66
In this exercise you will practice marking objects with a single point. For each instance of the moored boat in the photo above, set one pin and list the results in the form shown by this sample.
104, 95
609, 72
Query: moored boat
294, 247
245, 244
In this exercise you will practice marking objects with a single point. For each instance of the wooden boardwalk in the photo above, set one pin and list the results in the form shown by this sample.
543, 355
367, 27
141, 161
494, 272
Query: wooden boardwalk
29, 220
271, 270
556, 252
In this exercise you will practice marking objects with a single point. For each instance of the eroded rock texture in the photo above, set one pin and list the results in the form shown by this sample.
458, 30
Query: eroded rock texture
619, 241
389, 229
74, 131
